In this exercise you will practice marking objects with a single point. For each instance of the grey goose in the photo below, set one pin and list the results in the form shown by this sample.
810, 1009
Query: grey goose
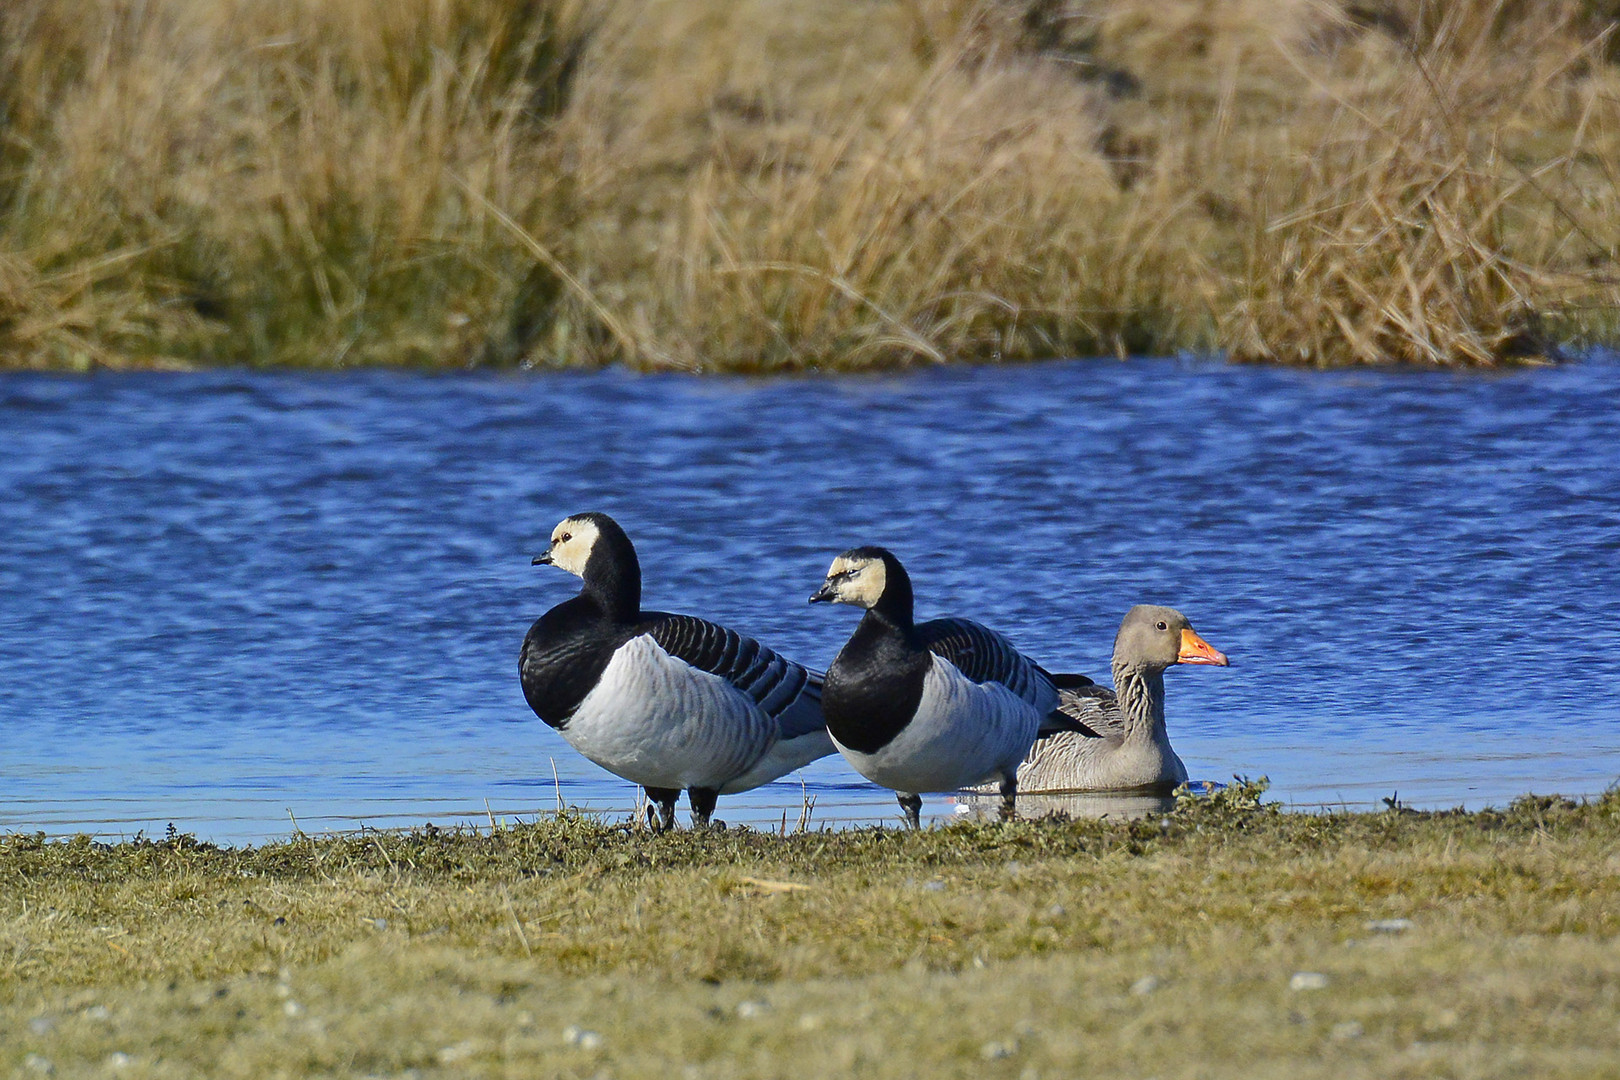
934, 706
670, 702
1118, 740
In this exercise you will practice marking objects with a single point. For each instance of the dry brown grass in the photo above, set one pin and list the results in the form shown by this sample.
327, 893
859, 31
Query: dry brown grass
194, 180
764, 185
1437, 220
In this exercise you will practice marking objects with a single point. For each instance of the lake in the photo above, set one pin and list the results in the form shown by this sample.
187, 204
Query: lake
235, 600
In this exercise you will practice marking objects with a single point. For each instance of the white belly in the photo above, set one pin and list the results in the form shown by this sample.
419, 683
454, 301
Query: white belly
963, 732
658, 721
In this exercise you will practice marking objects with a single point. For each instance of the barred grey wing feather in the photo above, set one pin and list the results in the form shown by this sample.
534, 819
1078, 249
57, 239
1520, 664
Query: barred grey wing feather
985, 656
772, 681
1092, 711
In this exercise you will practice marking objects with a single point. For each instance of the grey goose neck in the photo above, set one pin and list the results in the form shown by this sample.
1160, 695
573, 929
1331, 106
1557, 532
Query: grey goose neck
1140, 693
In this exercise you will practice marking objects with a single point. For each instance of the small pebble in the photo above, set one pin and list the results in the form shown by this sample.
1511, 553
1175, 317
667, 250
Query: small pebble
119, 1060
461, 1051
1056, 911
97, 1012
41, 1025
751, 1010
934, 886
1145, 985
378, 924
809, 1022
995, 1051
574, 1035
1344, 1032
1390, 926
1308, 980
292, 1008
36, 1064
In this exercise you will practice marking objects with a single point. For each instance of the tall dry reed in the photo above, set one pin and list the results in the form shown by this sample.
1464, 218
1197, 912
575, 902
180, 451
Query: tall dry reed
237, 181
765, 184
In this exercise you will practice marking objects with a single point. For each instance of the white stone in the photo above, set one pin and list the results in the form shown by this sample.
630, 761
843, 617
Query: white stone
461, 1051
995, 1051
1390, 926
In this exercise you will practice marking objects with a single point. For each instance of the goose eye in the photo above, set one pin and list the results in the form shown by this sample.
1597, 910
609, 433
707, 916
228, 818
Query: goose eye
1163, 626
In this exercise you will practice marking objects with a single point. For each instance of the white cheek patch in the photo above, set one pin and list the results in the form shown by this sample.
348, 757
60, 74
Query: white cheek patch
866, 588
575, 552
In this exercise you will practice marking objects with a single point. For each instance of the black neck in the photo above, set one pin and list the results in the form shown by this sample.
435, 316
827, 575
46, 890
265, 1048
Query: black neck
875, 683
613, 575
894, 607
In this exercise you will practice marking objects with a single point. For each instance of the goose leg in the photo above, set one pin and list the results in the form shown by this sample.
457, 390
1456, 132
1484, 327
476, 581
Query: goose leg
912, 805
1009, 796
664, 799
702, 799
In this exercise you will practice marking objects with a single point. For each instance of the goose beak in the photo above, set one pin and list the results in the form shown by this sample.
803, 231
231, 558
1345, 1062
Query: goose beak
825, 594
1195, 650
542, 560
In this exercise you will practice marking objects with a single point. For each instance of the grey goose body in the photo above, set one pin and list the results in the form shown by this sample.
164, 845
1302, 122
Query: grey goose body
920, 707
670, 702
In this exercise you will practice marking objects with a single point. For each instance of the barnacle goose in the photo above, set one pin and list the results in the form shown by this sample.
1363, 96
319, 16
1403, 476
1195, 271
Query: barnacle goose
670, 702
1118, 741
932, 707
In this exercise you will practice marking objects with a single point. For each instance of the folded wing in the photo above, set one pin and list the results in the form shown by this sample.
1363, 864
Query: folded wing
781, 688
983, 655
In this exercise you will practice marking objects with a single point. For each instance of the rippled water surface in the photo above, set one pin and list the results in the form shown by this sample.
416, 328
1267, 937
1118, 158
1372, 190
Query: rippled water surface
229, 599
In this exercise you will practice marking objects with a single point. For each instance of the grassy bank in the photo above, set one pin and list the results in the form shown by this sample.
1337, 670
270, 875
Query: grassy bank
1224, 940
780, 184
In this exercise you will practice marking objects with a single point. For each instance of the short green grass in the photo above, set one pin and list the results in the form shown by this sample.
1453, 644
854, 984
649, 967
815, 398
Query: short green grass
1226, 939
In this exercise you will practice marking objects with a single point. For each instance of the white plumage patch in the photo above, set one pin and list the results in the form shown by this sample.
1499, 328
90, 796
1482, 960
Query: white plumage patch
857, 581
571, 544
962, 732
658, 721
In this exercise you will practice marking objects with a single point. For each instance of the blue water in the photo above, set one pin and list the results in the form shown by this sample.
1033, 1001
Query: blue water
230, 600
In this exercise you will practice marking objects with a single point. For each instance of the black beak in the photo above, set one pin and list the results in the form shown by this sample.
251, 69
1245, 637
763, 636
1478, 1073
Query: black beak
824, 594
542, 560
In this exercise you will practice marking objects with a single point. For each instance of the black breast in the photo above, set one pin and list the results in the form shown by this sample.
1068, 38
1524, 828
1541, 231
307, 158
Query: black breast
873, 687
563, 658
